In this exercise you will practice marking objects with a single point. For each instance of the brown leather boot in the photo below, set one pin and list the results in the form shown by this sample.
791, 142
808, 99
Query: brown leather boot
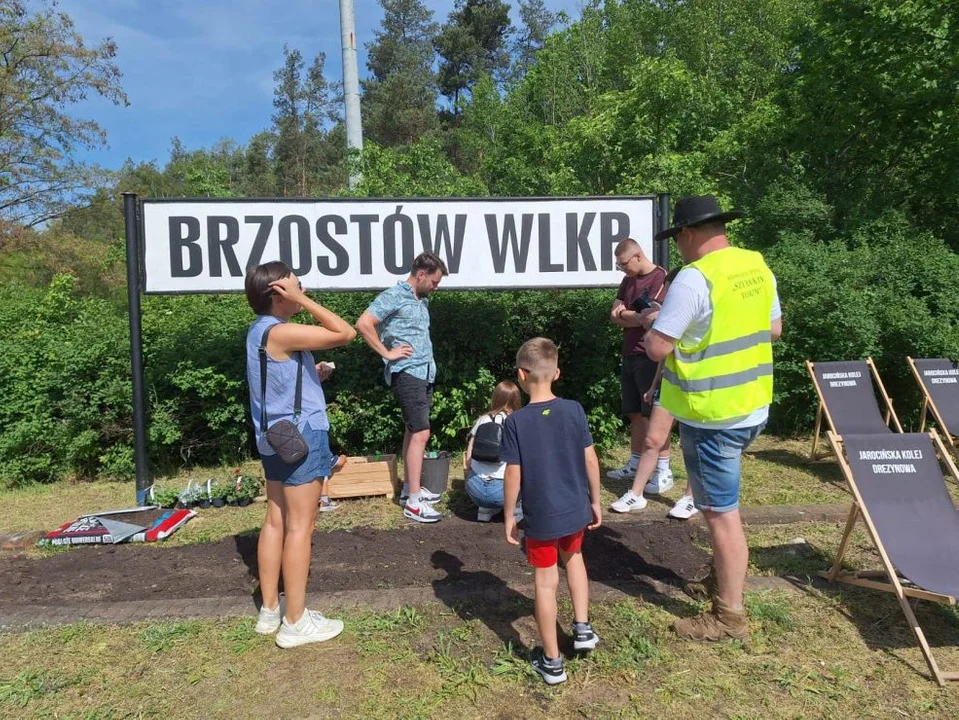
717, 624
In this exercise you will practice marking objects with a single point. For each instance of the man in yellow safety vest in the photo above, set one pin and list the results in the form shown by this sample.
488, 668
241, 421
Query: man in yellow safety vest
715, 331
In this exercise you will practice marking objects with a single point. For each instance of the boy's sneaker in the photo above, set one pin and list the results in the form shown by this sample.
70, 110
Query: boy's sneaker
328, 505
422, 512
660, 482
583, 636
626, 472
552, 671
684, 508
629, 502
484, 514
310, 628
425, 495
269, 620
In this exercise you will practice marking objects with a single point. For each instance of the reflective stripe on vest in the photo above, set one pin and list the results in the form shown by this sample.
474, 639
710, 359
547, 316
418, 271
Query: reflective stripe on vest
729, 373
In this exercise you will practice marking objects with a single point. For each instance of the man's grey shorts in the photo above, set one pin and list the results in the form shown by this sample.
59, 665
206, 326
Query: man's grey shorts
415, 397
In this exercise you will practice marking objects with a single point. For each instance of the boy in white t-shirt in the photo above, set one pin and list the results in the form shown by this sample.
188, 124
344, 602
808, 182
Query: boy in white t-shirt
481, 464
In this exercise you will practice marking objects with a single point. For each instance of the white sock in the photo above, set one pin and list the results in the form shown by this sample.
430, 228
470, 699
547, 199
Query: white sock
406, 489
663, 463
634, 459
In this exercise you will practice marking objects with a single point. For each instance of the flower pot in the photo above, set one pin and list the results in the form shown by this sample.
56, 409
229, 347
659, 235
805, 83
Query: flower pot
218, 502
243, 502
436, 472
203, 503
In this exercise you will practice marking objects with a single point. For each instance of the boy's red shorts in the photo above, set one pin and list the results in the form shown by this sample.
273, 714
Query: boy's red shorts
545, 553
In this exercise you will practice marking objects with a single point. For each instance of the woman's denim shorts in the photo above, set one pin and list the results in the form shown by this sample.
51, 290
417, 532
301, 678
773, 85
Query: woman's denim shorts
314, 466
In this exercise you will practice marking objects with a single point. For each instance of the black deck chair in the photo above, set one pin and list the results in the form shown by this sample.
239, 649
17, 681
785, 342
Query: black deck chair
939, 381
898, 490
847, 399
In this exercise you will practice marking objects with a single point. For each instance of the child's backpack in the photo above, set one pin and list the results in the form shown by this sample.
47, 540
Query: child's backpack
488, 440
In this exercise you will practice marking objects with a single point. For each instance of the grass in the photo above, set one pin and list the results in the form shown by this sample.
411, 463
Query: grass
811, 653
775, 472
804, 658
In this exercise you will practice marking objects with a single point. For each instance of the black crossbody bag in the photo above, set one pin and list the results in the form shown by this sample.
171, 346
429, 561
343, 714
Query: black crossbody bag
284, 436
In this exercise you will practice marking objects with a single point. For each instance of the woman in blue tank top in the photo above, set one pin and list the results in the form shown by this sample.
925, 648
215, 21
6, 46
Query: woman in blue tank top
292, 491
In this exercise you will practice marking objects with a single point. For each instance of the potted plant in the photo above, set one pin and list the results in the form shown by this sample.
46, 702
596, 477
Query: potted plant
246, 487
164, 497
219, 494
202, 494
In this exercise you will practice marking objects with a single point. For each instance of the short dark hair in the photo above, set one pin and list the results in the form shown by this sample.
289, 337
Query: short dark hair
625, 245
257, 284
430, 262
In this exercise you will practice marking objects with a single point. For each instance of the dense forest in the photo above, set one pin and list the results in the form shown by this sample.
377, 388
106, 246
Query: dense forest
834, 124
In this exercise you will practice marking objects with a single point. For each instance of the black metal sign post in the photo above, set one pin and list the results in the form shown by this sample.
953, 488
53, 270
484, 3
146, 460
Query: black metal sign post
660, 223
136, 347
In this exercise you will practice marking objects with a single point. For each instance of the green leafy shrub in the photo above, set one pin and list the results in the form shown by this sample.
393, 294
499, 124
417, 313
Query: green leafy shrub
887, 293
65, 388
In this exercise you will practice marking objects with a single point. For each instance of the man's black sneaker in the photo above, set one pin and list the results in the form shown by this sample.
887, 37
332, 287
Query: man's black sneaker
552, 671
583, 636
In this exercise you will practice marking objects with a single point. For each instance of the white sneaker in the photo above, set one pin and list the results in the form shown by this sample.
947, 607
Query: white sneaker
328, 506
629, 502
422, 512
660, 482
626, 472
310, 628
269, 620
430, 497
486, 514
684, 508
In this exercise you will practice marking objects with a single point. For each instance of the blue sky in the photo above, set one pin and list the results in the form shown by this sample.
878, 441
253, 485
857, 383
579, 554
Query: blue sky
202, 70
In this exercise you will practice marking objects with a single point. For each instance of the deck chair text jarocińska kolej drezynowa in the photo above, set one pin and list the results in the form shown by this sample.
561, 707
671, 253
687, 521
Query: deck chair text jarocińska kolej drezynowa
898, 491
847, 399
938, 379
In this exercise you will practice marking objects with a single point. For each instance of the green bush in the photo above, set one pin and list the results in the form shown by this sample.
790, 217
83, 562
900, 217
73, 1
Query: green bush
65, 385
66, 389
889, 292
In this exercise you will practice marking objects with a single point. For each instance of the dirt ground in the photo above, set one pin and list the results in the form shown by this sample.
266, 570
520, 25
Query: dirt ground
455, 552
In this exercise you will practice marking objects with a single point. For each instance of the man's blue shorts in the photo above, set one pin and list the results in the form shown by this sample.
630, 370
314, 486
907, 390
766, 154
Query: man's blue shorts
713, 460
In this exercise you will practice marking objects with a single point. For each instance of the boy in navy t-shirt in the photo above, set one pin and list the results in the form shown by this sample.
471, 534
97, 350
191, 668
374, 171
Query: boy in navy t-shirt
549, 456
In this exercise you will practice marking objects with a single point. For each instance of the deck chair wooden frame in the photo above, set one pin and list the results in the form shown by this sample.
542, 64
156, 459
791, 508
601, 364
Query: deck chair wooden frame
929, 406
823, 411
888, 579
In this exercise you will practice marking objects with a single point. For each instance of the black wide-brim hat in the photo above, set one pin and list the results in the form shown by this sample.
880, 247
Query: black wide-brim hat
696, 210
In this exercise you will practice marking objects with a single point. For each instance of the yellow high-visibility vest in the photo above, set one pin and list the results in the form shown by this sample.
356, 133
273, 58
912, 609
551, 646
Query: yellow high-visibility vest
729, 373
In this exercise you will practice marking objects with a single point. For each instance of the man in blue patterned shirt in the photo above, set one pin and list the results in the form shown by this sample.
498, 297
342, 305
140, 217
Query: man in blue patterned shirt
397, 326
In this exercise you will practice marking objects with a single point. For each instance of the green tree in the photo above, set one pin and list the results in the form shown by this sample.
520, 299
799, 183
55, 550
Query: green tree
46, 69
399, 99
536, 22
472, 43
873, 100
305, 106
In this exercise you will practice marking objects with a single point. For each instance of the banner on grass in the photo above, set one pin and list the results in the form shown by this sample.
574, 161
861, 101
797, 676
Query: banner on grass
362, 244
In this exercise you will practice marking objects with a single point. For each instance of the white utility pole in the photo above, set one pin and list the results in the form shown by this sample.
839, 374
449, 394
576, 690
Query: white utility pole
351, 84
